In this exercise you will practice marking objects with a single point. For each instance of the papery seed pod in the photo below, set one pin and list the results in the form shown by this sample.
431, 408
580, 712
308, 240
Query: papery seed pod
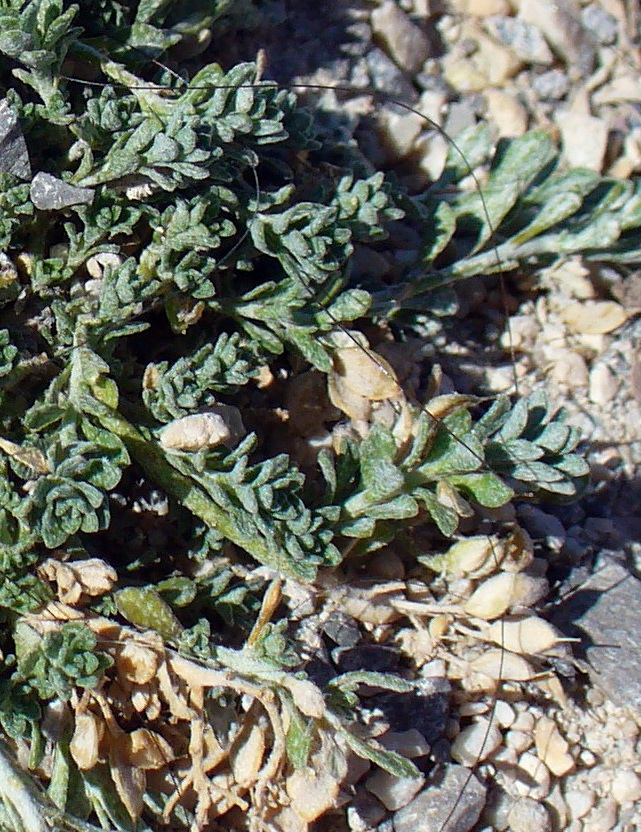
500, 665
500, 592
527, 635
312, 793
146, 749
85, 742
366, 374
475, 556
247, 755
136, 663
221, 425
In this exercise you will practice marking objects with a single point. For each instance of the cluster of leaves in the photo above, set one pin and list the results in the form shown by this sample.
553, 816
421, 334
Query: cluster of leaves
198, 252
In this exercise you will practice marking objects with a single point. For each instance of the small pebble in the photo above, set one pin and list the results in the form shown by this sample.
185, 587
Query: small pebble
600, 24
523, 38
602, 818
524, 722
527, 815
394, 792
626, 787
585, 139
408, 743
453, 804
519, 740
51, 194
14, 156
551, 86
404, 41
579, 801
476, 742
535, 777
504, 713
603, 385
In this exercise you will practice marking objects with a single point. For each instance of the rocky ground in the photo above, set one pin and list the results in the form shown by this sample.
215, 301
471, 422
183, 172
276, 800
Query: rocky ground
551, 760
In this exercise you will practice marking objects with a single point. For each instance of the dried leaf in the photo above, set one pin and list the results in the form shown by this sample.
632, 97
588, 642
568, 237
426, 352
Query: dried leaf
500, 592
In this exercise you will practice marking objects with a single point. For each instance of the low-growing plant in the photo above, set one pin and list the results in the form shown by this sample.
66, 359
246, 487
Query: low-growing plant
187, 394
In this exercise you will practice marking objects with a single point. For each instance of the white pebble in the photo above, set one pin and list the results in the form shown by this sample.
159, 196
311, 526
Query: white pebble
602, 818
524, 722
504, 713
626, 787
579, 801
518, 740
603, 384
527, 815
587, 758
476, 742
394, 792
532, 769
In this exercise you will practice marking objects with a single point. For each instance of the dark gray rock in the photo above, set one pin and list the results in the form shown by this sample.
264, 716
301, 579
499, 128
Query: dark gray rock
451, 803
14, 157
426, 708
51, 194
605, 613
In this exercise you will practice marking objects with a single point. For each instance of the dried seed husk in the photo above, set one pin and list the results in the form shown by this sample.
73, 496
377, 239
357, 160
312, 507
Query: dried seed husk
357, 407
312, 793
474, 556
247, 755
501, 665
497, 594
220, 425
146, 749
136, 663
130, 782
366, 373
85, 742
527, 635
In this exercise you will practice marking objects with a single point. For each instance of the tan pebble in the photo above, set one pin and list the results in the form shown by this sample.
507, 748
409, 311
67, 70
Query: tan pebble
602, 818
506, 113
551, 747
535, 777
476, 742
394, 792
626, 787
519, 740
497, 62
527, 815
579, 802
603, 385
